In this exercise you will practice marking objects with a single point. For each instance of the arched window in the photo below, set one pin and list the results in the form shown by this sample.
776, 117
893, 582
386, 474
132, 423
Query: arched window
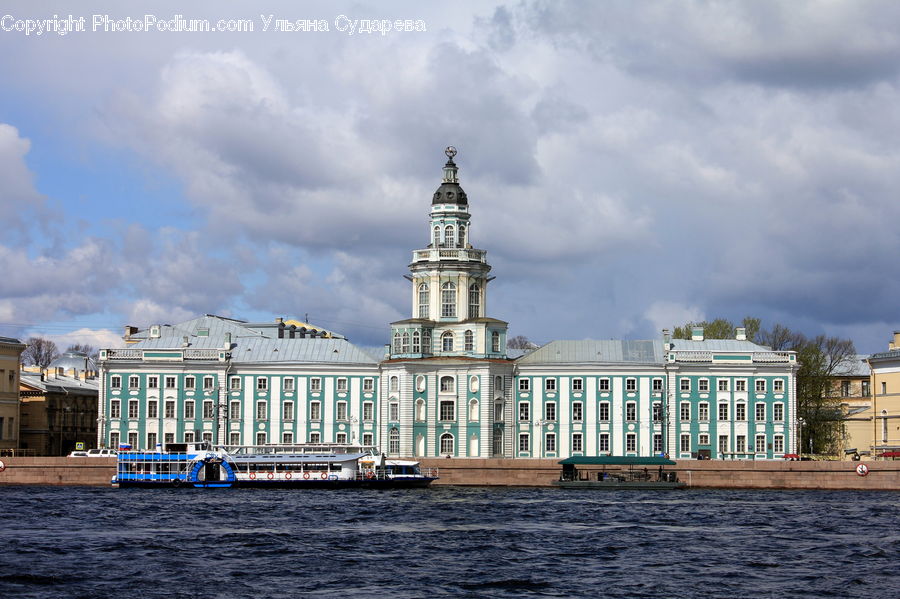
462, 236
423, 300
447, 341
394, 442
404, 347
420, 410
426, 342
495, 342
395, 384
470, 341
449, 234
436, 241
447, 444
397, 342
473, 409
448, 384
448, 299
474, 300
416, 342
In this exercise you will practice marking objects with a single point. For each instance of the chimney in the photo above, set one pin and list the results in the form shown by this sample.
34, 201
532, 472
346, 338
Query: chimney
184, 341
227, 341
895, 344
697, 334
741, 334
666, 336
129, 331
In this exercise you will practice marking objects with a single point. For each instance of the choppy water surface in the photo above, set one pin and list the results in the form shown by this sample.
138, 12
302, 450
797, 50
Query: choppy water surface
464, 542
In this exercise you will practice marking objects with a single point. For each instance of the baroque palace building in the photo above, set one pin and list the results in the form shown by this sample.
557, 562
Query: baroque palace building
446, 385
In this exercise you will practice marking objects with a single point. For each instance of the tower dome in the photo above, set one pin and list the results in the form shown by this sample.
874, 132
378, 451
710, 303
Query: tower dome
450, 191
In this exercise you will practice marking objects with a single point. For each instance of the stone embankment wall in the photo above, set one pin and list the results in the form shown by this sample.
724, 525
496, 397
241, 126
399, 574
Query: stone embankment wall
711, 474
57, 471
883, 475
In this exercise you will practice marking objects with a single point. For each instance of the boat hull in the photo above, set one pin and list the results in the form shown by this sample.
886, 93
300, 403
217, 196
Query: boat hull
283, 484
616, 485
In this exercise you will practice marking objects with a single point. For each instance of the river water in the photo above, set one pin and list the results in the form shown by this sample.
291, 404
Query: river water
447, 541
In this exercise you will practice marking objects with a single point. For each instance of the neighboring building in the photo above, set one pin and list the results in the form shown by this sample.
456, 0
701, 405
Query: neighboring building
59, 406
10, 359
447, 386
885, 387
852, 387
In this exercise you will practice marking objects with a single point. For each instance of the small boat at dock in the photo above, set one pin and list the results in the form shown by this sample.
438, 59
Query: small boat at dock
614, 473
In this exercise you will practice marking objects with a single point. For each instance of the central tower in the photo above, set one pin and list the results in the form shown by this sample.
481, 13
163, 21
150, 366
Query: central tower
449, 285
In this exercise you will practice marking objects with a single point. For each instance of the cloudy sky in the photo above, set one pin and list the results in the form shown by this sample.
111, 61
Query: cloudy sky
629, 166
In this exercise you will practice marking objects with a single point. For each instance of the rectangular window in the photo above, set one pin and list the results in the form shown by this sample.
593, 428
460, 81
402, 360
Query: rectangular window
288, 384
262, 383
778, 442
740, 385
169, 438
189, 436
342, 438
685, 385
884, 387
604, 442
630, 385
577, 385
723, 411
778, 386
208, 383
189, 410
524, 385
152, 409
448, 410
723, 443
685, 443
603, 412
368, 385
524, 411
657, 385
685, 411
865, 389
657, 411
115, 409
234, 438
151, 440
498, 411
153, 382
760, 444
133, 408
703, 439
657, 443
315, 437
114, 440
368, 439
760, 412
577, 411
260, 438
235, 409
190, 383
134, 382
760, 386
550, 411
315, 410
703, 411
631, 411
368, 411
342, 385
235, 383
550, 385
341, 410
395, 411
723, 384
550, 442
315, 384
604, 385
778, 412
115, 382
287, 410
577, 442
524, 442
170, 382
740, 411
703, 385
630, 442
208, 410
740, 444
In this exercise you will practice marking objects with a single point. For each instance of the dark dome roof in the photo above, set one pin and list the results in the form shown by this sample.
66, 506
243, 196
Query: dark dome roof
450, 193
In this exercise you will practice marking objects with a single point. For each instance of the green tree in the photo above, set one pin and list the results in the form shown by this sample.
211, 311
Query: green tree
720, 328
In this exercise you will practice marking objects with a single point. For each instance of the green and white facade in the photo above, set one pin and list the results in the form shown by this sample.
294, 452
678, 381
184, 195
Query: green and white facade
445, 385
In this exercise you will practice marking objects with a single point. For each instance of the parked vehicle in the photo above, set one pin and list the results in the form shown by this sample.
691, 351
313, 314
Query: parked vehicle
94, 453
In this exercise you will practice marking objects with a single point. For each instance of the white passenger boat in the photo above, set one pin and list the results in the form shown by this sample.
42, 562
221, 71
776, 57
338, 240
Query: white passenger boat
617, 473
301, 466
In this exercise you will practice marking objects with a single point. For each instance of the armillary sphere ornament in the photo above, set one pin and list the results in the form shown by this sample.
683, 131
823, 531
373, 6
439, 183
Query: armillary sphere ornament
450, 152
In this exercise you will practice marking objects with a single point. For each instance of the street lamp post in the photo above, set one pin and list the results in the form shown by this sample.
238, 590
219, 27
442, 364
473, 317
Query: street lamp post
800, 423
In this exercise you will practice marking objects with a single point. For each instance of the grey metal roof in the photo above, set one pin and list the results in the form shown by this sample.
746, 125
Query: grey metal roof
717, 345
73, 360
60, 384
894, 353
616, 351
10, 340
857, 366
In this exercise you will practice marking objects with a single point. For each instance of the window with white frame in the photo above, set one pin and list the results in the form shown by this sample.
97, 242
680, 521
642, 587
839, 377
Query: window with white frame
134, 381
447, 341
685, 414
723, 384
723, 443
426, 342
685, 443
288, 383
315, 410
151, 440
234, 409
436, 237
474, 300
394, 411
342, 385
740, 411
603, 445
190, 383
778, 444
114, 440
577, 444
703, 385
262, 384
723, 411
603, 411
368, 439
447, 410
630, 385
448, 300
260, 438
495, 342
473, 409
657, 411
287, 410
394, 384
208, 383
778, 412
368, 411
740, 444
469, 341
524, 411
550, 411
524, 442
498, 411
550, 385
234, 438
448, 384
657, 385
235, 383
315, 384
447, 444
703, 439
684, 385
397, 346
657, 442
189, 436
498, 383
341, 412
341, 438
778, 386
189, 413
115, 409
740, 385
577, 385
524, 385
423, 300
416, 342
208, 409
170, 382
760, 412
287, 438
760, 385
630, 411
630, 442
153, 382
550, 442
703, 411
260, 410
404, 343
152, 409
760, 443
449, 236
368, 385
603, 385
133, 408
115, 382
577, 411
